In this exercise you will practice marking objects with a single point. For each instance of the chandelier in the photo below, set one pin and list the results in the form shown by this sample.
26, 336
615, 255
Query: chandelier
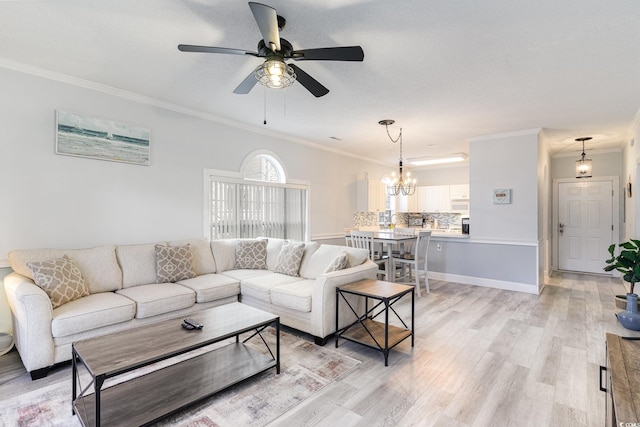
275, 74
583, 165
397, 184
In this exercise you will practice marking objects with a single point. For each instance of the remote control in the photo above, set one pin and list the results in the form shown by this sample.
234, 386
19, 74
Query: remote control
193, 323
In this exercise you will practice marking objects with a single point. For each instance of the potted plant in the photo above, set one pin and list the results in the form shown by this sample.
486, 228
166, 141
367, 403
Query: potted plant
627, 263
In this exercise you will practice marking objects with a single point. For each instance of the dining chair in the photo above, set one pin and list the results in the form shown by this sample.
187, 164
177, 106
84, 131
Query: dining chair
364, 240
407, 246
416, 259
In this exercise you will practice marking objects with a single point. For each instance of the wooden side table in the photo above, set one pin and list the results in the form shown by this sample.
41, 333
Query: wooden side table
367, 331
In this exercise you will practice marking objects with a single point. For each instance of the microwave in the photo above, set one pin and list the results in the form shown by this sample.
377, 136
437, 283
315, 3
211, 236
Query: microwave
460, 205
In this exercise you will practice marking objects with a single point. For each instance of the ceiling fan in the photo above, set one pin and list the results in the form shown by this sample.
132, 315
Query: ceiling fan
275, 72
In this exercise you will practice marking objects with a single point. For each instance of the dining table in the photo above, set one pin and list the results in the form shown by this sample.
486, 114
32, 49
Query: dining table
389, 238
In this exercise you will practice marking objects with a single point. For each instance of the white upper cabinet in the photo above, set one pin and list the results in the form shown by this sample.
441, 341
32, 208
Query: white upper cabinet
371, 196
435, 198
459, 191
407, 203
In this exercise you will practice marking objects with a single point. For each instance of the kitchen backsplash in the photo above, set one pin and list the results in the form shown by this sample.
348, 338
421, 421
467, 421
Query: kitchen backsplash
444, 219
365, 219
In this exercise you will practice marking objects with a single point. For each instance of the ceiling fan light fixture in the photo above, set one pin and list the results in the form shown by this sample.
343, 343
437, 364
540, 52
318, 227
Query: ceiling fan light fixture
275, 74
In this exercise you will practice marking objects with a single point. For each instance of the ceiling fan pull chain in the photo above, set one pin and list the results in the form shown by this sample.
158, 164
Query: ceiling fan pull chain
265, 105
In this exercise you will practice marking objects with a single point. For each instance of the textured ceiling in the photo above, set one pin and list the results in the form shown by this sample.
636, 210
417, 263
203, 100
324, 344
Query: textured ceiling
446, 71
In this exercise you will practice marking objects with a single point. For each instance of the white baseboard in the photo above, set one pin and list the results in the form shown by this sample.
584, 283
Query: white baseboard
488, 283
4, 263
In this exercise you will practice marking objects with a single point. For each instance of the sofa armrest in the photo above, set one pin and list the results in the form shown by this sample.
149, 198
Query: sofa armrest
323, 299
32, 314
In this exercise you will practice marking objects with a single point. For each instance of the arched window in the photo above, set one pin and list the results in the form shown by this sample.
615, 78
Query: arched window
257, 201
264, 167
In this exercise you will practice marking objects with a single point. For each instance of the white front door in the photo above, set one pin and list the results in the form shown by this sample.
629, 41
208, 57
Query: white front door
585, 225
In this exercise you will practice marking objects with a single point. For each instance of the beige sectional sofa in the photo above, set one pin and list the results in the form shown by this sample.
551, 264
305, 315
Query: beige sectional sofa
123, 291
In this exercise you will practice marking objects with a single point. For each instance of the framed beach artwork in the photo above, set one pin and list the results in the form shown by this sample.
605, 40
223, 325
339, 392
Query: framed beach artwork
94, 138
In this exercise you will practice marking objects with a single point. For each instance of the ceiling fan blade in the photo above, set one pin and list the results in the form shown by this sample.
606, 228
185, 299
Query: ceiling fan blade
311, 84
211, 49
267, 20
247, 84
347, 53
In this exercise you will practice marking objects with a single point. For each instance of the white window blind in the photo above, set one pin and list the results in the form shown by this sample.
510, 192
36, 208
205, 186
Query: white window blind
243, 209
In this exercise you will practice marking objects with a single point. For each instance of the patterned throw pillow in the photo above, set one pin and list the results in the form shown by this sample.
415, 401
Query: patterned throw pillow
60, 278
251, 254
289, 259
339, 263
174, 263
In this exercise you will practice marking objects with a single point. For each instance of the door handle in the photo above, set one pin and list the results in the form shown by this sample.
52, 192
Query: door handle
561, 228
602, 369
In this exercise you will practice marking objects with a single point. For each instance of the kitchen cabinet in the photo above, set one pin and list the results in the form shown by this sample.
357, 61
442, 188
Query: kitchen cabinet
371, 196
459, 192
407, 203
435, 198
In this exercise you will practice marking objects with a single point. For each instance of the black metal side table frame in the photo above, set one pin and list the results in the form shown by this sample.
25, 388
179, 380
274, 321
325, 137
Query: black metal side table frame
365, 330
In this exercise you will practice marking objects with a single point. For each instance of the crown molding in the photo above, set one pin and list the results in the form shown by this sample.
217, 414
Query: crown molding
154, 102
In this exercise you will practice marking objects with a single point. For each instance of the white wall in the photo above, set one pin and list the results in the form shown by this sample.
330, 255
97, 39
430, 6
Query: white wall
631, 160
450, 175
61, 201
505, 161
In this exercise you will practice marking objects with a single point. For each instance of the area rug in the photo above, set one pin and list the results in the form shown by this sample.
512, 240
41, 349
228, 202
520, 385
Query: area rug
305, 369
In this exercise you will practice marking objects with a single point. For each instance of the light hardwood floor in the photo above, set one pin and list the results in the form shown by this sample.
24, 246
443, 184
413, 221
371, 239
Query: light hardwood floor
482, 357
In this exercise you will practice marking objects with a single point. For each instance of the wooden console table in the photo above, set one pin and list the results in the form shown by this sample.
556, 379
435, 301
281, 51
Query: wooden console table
622, 381
367, 331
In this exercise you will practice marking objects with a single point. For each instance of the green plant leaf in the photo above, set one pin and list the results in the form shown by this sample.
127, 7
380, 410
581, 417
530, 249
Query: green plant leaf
628, 245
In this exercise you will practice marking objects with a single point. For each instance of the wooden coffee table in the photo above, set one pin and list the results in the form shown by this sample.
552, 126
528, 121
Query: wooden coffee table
367, 331
149, 397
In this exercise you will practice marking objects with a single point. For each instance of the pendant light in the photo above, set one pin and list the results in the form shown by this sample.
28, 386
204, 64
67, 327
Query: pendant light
583, 165
398, 185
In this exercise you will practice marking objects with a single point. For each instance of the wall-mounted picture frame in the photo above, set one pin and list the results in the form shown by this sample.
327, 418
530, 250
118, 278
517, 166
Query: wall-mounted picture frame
501, 196
102, 139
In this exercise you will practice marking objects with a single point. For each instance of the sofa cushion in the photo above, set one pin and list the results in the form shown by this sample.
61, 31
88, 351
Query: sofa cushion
203, 262
212, 287
324, 256
138, 263
289, 259
91, 312
296, 296
274, 245
98, 265
251, 254
260, 286
60, 279
241, 275
309, 249
174, 263
159, 298
224, 253
339, 263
